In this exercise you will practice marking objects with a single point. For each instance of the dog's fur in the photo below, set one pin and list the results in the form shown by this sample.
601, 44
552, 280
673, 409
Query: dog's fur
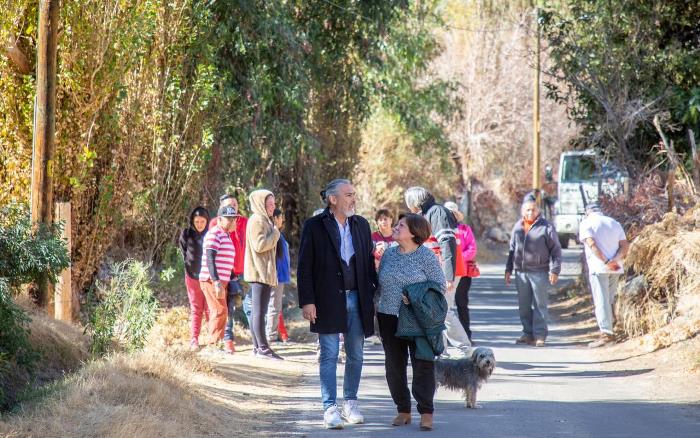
466, 373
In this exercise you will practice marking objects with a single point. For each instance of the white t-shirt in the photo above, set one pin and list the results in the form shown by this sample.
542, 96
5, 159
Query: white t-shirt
607, 234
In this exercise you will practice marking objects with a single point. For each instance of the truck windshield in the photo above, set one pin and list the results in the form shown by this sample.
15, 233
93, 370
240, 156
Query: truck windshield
578, 168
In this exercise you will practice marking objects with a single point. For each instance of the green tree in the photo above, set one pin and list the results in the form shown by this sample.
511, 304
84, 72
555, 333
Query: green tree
621, 63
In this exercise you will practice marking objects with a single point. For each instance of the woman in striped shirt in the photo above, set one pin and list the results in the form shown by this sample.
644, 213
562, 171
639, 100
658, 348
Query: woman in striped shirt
217, 265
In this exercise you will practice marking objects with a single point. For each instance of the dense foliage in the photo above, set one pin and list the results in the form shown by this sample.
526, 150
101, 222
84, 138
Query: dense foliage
619, 64
24, 257
163, 105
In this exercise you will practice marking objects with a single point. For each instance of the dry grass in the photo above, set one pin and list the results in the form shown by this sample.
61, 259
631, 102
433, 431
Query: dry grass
144, 395
667, 253
164, 390
62, 349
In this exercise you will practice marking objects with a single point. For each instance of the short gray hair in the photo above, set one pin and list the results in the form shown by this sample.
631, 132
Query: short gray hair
415, 197
332, 189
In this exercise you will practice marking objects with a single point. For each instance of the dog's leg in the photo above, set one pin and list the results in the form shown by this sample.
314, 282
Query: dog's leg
471, 398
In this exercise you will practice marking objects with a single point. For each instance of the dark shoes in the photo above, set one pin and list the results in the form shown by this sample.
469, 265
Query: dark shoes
267, 353
525, 340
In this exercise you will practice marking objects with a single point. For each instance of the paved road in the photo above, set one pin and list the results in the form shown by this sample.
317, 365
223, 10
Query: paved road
557, 391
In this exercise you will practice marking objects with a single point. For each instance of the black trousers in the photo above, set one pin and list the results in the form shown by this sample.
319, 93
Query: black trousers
462, 302
396, 353
260, 294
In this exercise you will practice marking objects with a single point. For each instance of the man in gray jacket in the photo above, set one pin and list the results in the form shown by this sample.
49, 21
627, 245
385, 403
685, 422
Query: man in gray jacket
535, 254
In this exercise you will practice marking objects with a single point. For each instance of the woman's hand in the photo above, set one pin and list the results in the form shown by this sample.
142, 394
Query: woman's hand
507, 278
405, 299
553, 278
219, 289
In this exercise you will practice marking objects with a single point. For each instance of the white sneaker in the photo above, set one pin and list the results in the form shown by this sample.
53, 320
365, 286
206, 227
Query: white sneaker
351, 412
331, 418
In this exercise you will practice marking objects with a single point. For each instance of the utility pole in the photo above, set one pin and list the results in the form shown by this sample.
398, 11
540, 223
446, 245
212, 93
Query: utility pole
536, 186
44, 125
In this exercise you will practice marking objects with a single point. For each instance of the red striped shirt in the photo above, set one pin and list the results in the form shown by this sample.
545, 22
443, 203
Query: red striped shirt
218, 240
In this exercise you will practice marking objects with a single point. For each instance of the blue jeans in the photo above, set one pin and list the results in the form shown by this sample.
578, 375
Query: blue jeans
533, 301
603, 288
234, 288
330, 347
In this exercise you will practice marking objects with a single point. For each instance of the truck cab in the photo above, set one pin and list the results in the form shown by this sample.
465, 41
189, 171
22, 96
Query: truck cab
582, 173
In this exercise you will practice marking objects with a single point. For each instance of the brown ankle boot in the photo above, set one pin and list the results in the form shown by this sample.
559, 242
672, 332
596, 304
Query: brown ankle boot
401, 419
426, 421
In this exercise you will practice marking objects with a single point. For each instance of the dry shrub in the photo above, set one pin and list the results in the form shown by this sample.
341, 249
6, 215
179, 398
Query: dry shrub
667, 253
172, 329
646, 203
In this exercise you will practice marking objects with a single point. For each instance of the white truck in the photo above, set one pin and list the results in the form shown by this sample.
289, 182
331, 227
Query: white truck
582, 173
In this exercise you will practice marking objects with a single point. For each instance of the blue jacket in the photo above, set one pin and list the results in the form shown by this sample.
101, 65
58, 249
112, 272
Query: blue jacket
283, 270
423, 320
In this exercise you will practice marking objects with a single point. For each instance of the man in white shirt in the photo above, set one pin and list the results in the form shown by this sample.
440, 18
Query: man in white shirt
606, 246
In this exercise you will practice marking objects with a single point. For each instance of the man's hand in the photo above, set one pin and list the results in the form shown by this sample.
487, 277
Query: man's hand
613, 266
553, 278
449, 285
309, 312
507, 278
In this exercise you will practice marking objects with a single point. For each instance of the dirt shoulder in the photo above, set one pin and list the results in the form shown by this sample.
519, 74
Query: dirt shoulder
675, 371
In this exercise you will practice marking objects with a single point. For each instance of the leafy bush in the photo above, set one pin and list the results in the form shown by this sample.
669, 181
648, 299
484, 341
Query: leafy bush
126, 309
24, 257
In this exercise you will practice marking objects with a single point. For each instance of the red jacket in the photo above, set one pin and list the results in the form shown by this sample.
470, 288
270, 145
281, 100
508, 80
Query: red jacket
238, 239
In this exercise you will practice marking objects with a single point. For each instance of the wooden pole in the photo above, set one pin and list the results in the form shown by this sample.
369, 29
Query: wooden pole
66, 305
536, 113
44, 125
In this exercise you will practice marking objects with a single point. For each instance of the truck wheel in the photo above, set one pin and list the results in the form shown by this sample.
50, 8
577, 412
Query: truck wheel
564, 240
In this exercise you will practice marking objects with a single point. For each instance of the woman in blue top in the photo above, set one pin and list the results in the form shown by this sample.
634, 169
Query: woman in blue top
283, 277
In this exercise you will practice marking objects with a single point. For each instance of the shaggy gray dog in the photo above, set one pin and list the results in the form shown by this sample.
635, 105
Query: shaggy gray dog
466, 373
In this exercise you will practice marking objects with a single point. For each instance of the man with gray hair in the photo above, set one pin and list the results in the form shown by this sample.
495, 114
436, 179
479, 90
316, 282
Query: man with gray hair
606, 245
336, 282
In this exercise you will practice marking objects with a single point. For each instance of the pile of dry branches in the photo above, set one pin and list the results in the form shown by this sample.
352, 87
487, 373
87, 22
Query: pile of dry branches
667, 254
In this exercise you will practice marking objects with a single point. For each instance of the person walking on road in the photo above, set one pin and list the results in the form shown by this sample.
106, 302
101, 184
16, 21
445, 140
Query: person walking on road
336, 280
191, 244
466, 247
274, 310
535, 254
406, 264
217, 265
606, 246
260, 266
443, 225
